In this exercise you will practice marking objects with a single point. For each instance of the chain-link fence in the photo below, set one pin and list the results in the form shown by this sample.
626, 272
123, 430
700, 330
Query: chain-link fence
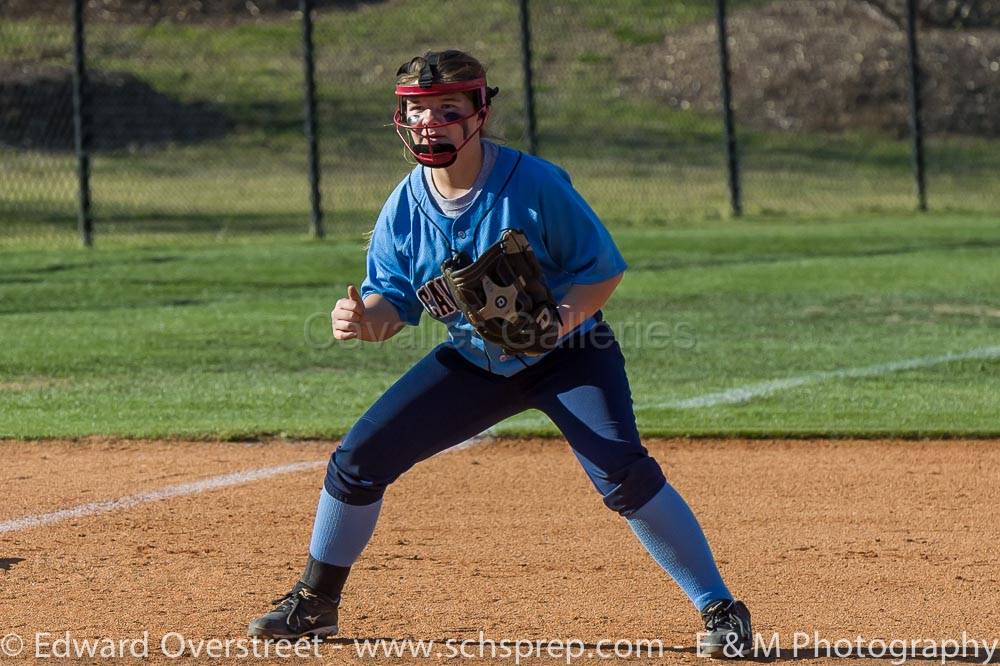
38, 182
199, 133
193, 126
196, 108
822, 99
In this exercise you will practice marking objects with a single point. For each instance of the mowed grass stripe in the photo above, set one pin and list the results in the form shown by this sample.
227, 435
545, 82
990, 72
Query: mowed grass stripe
228, 338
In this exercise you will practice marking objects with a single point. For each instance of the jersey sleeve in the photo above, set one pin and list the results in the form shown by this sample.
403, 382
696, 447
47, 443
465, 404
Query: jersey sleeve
389, 275
575, 237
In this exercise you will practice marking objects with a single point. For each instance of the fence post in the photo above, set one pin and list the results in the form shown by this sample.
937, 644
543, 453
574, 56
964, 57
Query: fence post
81, 128
529, 91
916, 123
732, 156
309, 71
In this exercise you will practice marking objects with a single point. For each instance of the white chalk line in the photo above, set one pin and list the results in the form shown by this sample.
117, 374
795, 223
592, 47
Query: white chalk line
732, 396
485, 436
131, 501
748, 392
191, 488
745, 393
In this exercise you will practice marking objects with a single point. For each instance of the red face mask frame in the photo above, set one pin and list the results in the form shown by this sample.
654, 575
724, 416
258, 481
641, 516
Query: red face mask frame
437, 156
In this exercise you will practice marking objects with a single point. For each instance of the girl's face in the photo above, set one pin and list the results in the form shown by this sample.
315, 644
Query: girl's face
431, 110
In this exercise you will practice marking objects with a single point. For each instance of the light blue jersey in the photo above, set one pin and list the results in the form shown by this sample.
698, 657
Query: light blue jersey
412, 238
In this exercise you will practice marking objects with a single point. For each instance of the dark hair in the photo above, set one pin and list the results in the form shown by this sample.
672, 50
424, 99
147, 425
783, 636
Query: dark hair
452, 65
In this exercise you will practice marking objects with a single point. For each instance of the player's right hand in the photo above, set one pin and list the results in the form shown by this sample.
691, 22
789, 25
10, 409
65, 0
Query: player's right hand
348, 315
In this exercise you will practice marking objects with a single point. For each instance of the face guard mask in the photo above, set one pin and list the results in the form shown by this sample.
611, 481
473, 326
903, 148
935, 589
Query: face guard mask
438, 155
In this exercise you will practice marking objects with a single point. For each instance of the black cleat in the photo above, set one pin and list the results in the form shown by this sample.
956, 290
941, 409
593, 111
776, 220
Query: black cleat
301, 612
728, 633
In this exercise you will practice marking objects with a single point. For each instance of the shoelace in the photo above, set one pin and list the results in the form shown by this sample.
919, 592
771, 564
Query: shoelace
292, 597
719, 617
289, 603
298, 594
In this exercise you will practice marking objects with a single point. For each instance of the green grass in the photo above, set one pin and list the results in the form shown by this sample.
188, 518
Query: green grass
205, 338
201, 311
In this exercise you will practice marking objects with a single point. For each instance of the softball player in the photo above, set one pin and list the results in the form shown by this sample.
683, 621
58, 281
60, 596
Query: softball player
460, 198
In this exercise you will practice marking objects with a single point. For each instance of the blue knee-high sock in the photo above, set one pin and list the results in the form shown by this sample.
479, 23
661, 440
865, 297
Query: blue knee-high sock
668, 529
341, 530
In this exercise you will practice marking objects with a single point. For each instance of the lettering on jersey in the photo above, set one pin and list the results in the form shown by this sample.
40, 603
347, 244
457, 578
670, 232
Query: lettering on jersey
437, 298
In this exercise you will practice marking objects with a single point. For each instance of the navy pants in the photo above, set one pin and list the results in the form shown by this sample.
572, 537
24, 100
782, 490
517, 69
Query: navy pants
444, 400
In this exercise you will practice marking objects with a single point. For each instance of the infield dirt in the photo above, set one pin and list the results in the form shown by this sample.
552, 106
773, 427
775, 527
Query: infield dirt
882, 539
